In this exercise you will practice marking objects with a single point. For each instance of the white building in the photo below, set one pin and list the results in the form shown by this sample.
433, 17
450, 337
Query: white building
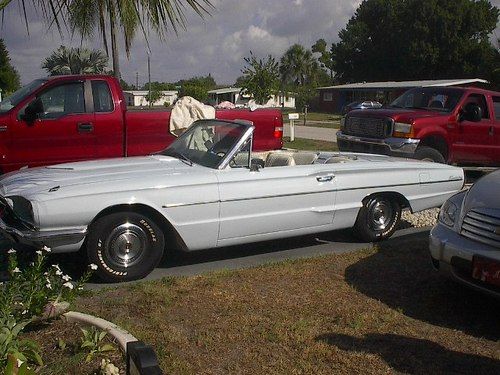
235, 96
139, 98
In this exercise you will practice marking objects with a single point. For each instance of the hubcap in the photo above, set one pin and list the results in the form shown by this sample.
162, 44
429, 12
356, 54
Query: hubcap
126, 245
381, 213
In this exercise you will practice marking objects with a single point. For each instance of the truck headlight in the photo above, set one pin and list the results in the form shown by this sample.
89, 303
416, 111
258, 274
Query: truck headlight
402, 130
448, 213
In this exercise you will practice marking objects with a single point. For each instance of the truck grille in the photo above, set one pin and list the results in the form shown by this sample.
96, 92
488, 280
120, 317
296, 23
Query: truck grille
482, 225
368, 127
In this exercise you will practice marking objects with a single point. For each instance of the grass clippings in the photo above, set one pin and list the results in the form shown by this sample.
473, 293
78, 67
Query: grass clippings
374, 311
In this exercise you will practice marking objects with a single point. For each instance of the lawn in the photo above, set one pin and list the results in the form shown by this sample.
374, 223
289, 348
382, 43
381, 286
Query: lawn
317, 119
309, 144
374, 311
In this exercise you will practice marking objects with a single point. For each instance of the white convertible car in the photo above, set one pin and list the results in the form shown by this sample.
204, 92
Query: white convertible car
208, 190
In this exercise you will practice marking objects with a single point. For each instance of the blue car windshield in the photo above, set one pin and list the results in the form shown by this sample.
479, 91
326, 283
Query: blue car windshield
11, 101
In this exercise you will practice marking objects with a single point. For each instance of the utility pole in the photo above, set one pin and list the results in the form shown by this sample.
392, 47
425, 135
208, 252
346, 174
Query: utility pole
137, 80
149, 78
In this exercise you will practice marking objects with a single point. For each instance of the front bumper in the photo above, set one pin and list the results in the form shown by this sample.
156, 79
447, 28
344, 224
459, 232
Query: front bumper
68, 239
402, 147
452, 256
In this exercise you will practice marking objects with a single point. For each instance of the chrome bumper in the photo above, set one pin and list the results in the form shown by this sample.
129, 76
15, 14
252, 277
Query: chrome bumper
49, 238
388, 146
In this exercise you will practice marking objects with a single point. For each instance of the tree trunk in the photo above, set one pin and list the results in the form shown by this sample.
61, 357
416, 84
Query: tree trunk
114, 44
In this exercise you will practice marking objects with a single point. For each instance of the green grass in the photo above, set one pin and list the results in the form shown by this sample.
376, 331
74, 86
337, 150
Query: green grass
317, 119
309, 144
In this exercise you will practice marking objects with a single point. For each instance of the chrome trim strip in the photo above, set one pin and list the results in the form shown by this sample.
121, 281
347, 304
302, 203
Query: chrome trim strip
173, 205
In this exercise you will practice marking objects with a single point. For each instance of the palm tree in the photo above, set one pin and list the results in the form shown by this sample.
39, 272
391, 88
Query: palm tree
75, 61
85, 17
298, 66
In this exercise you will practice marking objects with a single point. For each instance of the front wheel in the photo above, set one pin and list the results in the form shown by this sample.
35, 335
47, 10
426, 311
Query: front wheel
125, 246
429, 154
378, 218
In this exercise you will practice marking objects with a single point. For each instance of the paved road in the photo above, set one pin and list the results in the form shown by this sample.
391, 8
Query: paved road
252, 255
310, 132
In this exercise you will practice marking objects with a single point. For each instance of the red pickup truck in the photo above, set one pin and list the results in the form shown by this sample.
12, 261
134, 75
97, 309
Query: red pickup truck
81, 117
454, 125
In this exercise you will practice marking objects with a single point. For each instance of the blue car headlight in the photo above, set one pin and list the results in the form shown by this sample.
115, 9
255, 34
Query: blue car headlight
449, 213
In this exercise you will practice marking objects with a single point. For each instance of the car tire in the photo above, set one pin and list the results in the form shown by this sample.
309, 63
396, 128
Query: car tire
378, 218
429, 154
125, 246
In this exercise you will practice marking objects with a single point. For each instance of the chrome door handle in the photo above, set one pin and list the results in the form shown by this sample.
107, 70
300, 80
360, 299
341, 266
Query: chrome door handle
326, 178
85, 127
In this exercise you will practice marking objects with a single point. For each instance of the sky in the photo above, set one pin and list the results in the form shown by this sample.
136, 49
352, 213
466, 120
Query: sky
215, 45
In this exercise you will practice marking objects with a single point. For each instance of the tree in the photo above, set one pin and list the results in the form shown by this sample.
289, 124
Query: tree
414, 39
71, 60
9, 78
153, 96
298, 66
327, 57
123, 17
260, 78
196, 91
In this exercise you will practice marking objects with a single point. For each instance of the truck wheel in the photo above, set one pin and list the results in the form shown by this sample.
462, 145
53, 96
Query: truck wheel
377, 219
125, 246
429, 154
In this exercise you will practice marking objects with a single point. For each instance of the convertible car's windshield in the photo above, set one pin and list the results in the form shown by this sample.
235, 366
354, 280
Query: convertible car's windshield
207, 142
431, 98
11, 101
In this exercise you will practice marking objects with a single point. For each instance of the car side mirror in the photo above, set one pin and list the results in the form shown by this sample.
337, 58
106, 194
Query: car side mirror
32, 111
256, 164
471, 112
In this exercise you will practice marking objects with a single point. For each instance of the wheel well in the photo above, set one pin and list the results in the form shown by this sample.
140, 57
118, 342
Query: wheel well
400, 198
436, 142
172, 238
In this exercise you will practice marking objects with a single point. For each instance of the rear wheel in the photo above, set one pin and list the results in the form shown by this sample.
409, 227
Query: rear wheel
378, 218
429, 154
125, 246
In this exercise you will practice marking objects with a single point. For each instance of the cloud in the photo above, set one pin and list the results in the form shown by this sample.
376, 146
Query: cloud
215, 45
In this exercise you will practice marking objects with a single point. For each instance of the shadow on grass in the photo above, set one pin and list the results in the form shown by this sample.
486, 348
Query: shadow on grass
400, 275
414, 356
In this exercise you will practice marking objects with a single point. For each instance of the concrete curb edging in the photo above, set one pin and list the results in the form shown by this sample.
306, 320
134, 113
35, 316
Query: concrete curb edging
121, 336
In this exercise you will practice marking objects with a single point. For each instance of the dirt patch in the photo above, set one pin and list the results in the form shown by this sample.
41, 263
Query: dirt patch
378, 311
67, 359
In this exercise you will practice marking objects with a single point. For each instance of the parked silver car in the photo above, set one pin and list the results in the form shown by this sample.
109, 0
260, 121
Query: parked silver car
465, 244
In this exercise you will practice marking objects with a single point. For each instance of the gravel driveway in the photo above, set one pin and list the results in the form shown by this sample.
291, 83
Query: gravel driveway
421, 219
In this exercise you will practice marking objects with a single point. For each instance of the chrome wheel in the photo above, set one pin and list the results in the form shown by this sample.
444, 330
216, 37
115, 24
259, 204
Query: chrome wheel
126, 245
380, 214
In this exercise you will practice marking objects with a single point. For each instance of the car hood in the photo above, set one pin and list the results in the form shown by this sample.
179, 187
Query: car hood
398, 114
484, 195
121, 172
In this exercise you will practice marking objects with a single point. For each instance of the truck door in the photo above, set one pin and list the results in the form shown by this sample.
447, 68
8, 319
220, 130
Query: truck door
61, 129
495, 130
474, 142
108, 121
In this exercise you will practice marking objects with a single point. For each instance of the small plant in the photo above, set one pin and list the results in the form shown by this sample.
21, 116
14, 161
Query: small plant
36, 292
91, 342
14, 352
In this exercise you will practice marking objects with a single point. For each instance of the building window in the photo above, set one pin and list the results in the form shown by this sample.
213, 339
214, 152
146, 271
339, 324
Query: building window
327, 96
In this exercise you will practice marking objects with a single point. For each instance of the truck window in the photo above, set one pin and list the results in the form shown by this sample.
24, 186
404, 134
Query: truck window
496, 107
480, 100
62, 100
103, 102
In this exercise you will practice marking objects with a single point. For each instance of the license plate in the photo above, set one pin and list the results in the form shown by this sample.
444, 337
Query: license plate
486, 270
